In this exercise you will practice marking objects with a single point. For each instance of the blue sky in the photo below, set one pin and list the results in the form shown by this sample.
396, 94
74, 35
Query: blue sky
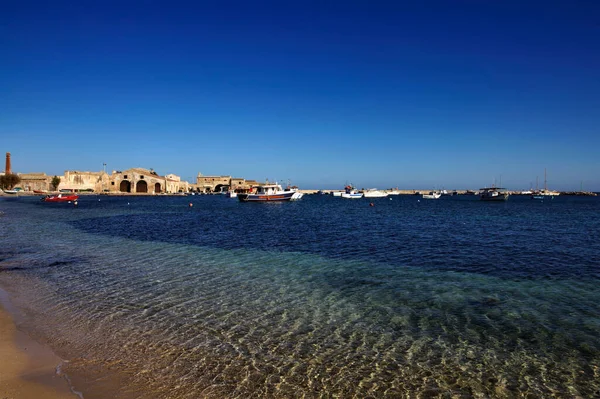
454, 94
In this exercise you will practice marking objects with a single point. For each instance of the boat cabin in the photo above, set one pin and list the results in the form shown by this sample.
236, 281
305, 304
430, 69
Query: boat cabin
268, 189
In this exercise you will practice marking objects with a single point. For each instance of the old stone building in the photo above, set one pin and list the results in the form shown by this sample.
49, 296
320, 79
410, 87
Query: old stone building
35, 181
78, 181
215, 184
211, 184
175, 185
137, 180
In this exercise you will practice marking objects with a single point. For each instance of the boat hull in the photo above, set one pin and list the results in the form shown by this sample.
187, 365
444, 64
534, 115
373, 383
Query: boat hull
60, 198
499, 197
286, 196
352, 195
377, 194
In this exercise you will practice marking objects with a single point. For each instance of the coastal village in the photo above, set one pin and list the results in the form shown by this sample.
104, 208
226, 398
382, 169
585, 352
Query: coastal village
144, 181
130, 181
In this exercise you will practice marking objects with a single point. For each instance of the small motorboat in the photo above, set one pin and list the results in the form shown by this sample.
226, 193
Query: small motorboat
60, 198
374, 193
351, 192
432, 195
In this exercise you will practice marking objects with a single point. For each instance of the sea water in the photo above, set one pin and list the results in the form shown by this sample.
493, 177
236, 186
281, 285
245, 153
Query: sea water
204, 296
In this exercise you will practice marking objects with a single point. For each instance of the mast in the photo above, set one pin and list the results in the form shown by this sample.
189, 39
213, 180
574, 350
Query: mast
545, 181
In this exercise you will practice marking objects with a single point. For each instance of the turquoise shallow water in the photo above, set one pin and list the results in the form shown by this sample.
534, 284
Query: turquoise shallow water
320, 298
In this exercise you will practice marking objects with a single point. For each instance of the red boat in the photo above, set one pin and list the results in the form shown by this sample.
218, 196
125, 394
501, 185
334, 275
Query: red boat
60, 198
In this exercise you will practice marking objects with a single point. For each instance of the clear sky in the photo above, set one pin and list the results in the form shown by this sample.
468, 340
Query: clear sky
420, 94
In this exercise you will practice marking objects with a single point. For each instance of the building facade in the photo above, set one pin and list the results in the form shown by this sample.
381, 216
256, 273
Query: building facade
35, 181
137, 180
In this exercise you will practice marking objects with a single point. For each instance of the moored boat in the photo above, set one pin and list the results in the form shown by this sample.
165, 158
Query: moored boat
545, 193
60, 198
270, 193
351, 193
432, 195
493, 194
374, 193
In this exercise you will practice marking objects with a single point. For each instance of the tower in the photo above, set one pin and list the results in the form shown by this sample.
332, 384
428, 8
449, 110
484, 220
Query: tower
7, 170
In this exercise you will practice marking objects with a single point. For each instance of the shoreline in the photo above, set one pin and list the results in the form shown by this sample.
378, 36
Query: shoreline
29, 369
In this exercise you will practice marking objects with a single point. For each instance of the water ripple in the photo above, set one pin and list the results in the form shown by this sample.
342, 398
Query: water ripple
322, 298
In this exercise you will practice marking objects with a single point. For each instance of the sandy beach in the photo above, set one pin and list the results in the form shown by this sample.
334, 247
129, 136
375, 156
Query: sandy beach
28, 369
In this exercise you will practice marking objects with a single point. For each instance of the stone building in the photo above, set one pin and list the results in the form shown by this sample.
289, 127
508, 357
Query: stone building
137, 180
215, 184
35, 181
211, 184
78, 181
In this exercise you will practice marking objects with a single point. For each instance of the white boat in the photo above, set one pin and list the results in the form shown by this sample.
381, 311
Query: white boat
232, 194
11, 192
351, 193
337, 193
432, 195
374, 193
270, 193
546, 193
493, 194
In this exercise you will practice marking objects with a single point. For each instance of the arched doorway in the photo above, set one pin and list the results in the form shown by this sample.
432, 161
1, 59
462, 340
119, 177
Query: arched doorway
221, 187
157, 188
141, 187
125, 186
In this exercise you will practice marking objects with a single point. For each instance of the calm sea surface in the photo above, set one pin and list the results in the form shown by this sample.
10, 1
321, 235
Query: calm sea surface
324, 297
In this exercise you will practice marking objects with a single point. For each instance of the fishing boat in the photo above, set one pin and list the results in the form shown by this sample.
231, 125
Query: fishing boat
493, 194
270, 193
60, 198
432, 195
351, 193
11, 192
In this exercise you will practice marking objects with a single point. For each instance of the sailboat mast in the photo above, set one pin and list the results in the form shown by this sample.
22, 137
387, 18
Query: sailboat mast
545, 181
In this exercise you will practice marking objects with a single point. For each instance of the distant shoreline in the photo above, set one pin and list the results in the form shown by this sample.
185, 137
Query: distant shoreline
304, 191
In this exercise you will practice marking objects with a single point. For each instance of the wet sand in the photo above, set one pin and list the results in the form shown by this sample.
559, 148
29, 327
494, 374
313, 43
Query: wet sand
28, 370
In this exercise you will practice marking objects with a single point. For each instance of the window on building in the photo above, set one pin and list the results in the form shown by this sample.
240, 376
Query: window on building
125, 177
